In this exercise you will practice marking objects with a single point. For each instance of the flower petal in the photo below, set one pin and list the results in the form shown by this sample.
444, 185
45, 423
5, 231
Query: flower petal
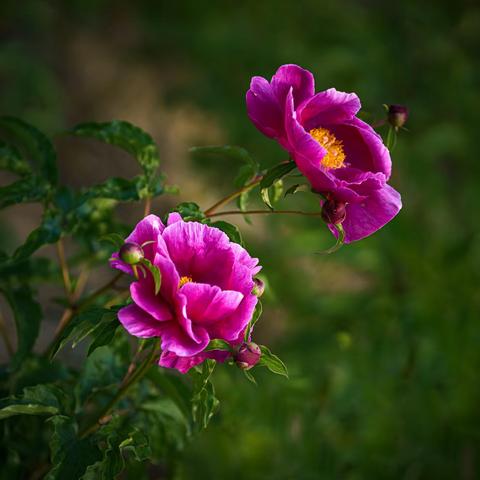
328, 107
143, 294
264, 109
176, 340
184, 364
367, 217
207, 304
296, 78
139, 323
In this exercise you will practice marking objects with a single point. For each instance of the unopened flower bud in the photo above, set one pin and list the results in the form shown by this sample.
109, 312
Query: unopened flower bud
397, 115
258, 288
333, 212
131, 253
248, 355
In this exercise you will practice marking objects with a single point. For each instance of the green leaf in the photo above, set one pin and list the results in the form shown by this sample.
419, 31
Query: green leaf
70, 456
81, 325
265, 194
113, 238
296, 188
256, 315
272, 362
190, 211
276, 173
232, 231
27, 314
33, 146
126, 136
38, 400
155, 271
338, 244
277, 190
48, 232
391, 140
230, 151
11, 160
116, 188
103, 335
204, 401
250, 377
218, 344
138, 444
25, 190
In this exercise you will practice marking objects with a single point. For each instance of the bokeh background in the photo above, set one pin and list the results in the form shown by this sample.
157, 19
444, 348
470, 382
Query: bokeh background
382, 339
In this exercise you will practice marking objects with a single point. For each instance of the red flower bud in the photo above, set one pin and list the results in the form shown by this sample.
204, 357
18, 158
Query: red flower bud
333, 212
131, 253
397, 115
248, 355
258, 288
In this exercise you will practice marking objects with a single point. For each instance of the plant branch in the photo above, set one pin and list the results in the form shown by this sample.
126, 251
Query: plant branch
233, 195
67, 283
265, 212
148, 206
130, 379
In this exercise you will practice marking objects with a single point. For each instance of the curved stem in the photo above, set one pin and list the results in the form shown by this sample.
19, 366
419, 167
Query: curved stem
129, 380
265, 212
233, 195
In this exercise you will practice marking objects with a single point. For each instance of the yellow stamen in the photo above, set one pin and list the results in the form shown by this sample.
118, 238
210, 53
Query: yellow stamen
335, 155
183, 281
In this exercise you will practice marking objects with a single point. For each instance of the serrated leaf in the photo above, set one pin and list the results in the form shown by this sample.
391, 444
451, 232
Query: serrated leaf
27, 314
117, 189
232, 231
70, 456
190, 211
155, 271
38, 400
276, 173
138, 444
272, 362
126, 136
33, 145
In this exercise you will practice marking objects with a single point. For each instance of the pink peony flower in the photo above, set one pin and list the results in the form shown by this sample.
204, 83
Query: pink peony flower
343, 158
205, 294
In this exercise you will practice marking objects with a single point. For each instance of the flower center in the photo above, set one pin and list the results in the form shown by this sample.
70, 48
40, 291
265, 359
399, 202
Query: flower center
183, 281
335, 155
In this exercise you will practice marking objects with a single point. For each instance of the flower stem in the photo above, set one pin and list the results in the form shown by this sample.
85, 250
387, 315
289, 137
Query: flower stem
233, 195
64, 268
265, 212
148, 206
77, 307
130, 379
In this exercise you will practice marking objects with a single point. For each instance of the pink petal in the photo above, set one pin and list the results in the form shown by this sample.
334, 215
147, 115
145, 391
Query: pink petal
294, 78
139, 323
143, 294
176, 340
328, 107
184, 364
207, 304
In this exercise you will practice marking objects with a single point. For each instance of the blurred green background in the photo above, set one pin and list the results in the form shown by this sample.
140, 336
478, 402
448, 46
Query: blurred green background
382, 339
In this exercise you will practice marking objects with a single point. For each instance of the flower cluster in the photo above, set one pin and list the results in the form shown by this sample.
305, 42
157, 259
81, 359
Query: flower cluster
205, 294
342, 157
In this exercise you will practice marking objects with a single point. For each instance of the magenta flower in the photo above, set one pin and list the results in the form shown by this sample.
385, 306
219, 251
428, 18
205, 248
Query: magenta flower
205, 294
343, 158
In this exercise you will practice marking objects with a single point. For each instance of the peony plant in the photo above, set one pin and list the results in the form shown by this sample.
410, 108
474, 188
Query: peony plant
185, 292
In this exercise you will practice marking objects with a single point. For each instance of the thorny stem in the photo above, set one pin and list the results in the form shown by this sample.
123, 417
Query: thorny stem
265, 212
64, 268
129, 380
233, 195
